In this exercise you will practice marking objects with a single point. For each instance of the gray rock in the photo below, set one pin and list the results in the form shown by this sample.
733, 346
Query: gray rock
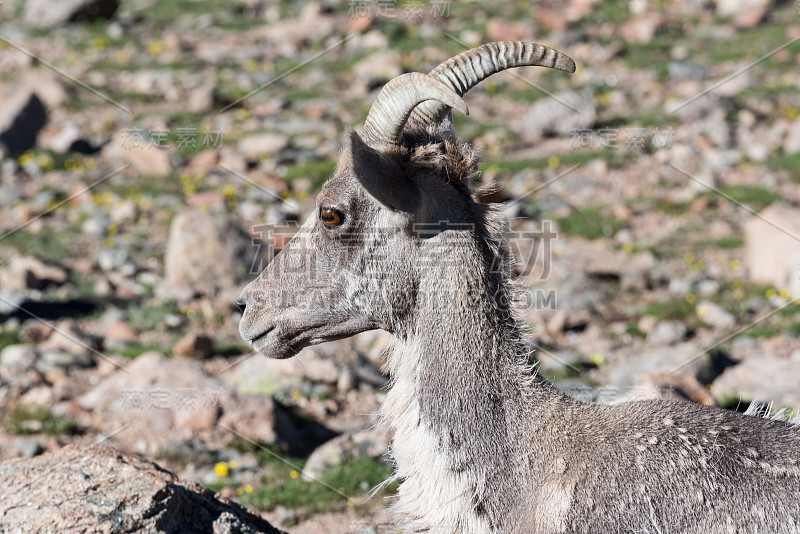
761, 377
708, 288
99, 489
715, 315
16, 359
667, 333
679, 286
638, 366
345, 448
205, 255
68, 337
7, 195
376, 68
681, 70
559, 114
28, 448
53, 359
43, 13
22, 116
96, 225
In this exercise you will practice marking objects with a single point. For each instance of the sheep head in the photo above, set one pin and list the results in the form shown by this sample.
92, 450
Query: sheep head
399, 195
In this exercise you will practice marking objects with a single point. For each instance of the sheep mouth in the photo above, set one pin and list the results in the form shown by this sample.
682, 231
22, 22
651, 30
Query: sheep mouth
262, 335
278, 344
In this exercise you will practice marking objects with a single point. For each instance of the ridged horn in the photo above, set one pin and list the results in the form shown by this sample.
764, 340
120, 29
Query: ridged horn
398, 98
466, 70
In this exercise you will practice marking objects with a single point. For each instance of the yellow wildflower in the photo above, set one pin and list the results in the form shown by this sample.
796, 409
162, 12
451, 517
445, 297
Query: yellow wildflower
221, 469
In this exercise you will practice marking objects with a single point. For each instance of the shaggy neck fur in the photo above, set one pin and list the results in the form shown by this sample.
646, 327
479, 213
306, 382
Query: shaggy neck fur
463, 392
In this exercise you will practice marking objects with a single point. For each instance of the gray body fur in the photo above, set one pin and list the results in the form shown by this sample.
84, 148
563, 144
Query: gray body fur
482, 444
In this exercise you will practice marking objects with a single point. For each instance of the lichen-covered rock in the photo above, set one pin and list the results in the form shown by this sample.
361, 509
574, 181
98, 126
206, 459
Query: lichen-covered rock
100, 489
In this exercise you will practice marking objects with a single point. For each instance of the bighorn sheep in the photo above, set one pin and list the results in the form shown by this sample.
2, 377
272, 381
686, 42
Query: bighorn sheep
481, 443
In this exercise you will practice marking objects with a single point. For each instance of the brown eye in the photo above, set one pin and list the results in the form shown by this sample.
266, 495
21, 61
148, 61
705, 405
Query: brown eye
330, 217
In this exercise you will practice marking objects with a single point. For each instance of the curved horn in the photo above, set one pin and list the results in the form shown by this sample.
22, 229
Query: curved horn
396, 101
466, 70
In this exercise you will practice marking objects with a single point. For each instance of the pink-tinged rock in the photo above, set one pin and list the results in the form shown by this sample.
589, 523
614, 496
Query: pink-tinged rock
642, 29
47, 86
151, 160
792, 143
505, 30
258, 418
154, 399
154, 395
25, 272
194, 345
262, 144
203, 162
772, 248
750, 17
120, 331
552, 19
311, 24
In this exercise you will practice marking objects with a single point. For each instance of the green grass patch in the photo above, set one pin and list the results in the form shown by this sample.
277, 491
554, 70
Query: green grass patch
749, 43
790, 162
725, 243
284, 486
670, 309
655, 118
590, 222
143, 184
755, 197
151, 316
664, 205
48, 246
634, 331
33, 419
762, 331
354, 478
790, 311
135, 350
655, 54
9, 337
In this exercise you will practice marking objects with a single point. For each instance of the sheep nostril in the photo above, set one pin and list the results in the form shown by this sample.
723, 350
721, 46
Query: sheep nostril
241, 303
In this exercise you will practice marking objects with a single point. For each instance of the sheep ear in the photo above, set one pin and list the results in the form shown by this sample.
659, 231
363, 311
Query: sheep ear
380, 176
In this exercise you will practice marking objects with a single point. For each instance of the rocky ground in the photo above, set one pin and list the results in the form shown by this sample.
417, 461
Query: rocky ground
150, 149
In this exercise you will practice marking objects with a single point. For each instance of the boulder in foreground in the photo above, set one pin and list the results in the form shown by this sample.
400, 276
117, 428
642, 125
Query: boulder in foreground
100, 489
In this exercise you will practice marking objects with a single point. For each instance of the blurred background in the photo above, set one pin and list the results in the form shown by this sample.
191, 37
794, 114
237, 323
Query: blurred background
154, 155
